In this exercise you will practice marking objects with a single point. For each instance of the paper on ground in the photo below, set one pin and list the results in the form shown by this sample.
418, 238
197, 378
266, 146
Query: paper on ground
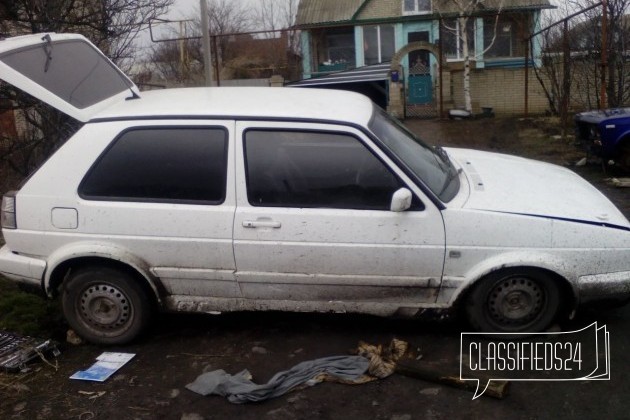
106, 365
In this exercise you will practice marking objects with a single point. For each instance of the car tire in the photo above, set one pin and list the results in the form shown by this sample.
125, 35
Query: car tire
514, 300
105, 305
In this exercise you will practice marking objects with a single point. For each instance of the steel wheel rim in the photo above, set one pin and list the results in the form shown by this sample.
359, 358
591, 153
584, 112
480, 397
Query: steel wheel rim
516, 302
105, 308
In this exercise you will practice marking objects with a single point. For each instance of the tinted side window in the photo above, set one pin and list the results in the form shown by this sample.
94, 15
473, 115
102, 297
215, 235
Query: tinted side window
314, 169
161, 164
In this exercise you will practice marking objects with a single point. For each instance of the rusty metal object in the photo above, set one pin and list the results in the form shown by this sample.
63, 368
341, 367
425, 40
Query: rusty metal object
422, 370
17, 350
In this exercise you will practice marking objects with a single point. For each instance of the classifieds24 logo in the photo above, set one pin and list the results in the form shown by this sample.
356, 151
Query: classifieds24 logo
554, 356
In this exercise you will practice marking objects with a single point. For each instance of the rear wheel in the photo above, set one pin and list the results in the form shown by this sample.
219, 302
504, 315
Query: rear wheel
105, 305
514, 300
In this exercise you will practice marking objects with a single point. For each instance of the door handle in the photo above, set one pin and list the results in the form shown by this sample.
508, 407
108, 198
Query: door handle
261, 224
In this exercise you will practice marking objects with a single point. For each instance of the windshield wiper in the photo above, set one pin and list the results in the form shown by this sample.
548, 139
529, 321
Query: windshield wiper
442, 154
452, 174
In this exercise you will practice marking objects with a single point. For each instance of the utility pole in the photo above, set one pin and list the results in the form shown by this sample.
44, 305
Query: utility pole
604, 63
207, 61
182, 53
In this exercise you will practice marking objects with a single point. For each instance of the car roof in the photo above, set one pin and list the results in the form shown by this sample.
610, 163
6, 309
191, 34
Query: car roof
244, 102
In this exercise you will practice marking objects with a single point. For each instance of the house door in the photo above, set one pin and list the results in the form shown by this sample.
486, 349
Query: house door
420, 88
419, 81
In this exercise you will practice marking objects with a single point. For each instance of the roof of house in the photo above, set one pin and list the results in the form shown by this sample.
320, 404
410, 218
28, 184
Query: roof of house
320, 11
372, 73
330, 12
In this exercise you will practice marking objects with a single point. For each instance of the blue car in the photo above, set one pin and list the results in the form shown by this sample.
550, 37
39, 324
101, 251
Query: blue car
606, 133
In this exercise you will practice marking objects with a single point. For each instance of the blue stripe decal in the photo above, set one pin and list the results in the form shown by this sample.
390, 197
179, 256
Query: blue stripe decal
565, 219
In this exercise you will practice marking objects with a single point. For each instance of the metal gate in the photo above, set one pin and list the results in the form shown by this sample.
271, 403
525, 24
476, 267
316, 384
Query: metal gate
420, 101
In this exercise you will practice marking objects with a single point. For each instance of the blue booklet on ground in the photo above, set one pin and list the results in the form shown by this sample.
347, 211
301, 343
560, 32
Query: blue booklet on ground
106, 365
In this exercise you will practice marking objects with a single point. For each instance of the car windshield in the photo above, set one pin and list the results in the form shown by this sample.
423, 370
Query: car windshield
431, 165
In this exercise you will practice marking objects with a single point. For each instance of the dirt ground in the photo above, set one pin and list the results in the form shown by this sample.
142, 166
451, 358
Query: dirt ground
180, 347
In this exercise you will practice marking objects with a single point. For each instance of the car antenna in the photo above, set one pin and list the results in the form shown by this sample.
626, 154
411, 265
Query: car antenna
48, 51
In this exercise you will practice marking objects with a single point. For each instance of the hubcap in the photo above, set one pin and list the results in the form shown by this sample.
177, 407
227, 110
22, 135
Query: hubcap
516, 301
105, 307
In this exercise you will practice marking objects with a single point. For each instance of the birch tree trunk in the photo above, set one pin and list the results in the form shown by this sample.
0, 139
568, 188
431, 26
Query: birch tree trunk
463, 24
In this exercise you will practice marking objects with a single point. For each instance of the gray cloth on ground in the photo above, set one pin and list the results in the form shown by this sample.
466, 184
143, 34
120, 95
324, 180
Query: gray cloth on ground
240, 389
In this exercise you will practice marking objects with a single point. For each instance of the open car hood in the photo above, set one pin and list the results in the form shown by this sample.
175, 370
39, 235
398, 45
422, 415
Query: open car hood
66, 71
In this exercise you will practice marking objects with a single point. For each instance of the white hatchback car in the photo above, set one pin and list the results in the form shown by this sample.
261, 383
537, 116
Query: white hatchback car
229, 199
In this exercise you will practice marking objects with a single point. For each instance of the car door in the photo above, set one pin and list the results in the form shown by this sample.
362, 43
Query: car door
313, 222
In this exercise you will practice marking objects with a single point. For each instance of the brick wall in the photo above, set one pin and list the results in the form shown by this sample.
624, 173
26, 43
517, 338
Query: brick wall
502, 89
381, 9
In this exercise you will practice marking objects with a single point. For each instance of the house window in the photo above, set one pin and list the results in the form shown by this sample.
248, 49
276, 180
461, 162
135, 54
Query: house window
504, 44
378, 43
411, 7
452, 39
338, 52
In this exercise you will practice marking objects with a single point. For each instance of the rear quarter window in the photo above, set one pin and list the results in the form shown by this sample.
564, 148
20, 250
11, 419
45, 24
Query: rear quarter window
186, 165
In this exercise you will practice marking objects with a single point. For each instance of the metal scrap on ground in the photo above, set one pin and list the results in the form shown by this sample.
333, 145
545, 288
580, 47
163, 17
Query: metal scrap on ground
619, 182
17, 350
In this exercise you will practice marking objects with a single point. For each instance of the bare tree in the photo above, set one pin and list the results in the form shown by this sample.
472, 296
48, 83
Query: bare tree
237, 52
178, 61
556, 74
571, 74
617, 46
466, 11
279, 15
276, 14
111, 24
227, 17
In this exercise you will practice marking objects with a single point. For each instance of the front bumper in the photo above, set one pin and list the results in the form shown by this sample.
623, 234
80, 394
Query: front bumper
605, 287
26, 270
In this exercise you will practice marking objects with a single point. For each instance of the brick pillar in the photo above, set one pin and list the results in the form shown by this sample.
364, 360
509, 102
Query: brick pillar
276, 81
396, 105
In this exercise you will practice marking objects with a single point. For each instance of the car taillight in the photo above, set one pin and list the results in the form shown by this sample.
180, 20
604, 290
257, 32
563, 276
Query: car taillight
7, 211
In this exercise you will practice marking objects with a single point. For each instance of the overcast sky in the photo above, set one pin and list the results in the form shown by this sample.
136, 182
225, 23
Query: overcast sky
184, 8
181, 9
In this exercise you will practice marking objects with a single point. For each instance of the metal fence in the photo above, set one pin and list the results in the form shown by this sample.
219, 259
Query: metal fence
583, 60
178, 59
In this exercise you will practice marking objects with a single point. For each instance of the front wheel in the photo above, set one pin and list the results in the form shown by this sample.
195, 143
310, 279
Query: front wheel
105, 305
514, 300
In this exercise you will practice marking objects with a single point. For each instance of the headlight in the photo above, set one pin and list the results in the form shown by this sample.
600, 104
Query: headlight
594, 136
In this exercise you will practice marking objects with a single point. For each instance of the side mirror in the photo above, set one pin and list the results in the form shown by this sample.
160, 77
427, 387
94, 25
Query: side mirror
401, 200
